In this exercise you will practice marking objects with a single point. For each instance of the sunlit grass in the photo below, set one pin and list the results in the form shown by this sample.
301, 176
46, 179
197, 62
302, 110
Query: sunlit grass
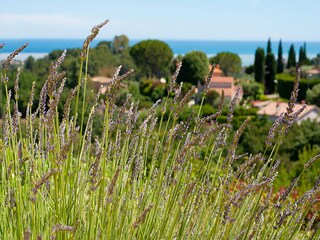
150, 178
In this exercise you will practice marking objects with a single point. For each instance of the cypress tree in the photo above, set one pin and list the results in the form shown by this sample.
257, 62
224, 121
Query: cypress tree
269, 50
280, 59
258, 66
305, 52
270, 72
291, 57
301, 56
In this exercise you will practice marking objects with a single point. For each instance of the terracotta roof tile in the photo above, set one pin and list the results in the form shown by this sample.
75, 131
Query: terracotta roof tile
276, 108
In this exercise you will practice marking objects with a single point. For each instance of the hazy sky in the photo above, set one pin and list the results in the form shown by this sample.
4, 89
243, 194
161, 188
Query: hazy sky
163, 19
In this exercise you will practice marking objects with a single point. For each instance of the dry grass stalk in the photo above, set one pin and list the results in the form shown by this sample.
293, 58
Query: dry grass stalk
94, 32
7, 62
142, 217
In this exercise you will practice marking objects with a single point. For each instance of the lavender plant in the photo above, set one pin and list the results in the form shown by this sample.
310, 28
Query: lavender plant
138, 179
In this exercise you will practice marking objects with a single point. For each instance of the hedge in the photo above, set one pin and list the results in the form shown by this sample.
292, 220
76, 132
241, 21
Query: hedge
286, 82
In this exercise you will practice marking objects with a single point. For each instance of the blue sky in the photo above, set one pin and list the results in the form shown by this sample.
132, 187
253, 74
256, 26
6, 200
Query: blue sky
289, 20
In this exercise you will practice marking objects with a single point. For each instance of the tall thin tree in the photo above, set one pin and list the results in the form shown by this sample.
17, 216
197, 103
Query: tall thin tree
269, 50
259, 66
270, 72
291, 57
301, 56
280, 58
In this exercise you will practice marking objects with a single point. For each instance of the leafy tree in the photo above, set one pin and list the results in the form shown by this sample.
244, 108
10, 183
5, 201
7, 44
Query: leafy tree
249, 70
230, 63
270, 72
29, 63
299, 136
55, 54
256, 132
120, 43
291, 57
252, 90
153, 89
127, 62
195, 67
308, 180
100, 57
71, 66
259, 62
316, 61
105, 45
280, 59
211, 97
153, 57
313, 95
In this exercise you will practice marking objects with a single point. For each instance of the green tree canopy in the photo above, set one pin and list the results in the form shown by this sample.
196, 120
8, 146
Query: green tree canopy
195, 67
252, 90
291, 57
120, 43
29, 63
313, 95
316, 61
230, 63
211, 97
259, 62
280, 59
153, 57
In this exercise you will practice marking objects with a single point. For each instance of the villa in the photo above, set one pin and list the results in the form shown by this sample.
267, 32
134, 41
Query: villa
219, 82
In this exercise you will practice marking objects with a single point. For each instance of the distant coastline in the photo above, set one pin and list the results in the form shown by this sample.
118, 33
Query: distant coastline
40, 47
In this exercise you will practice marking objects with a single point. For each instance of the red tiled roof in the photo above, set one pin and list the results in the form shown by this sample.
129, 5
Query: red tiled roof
276, 108
313, 71
217, 70
221, 79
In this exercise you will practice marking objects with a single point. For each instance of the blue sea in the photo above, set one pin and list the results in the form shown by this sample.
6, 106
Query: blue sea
245, 49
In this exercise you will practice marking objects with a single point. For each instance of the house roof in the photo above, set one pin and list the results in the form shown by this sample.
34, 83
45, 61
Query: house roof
313, 71
101, 80
229, 92
217, 70
221, 79
259, 103
104, 81
276, 108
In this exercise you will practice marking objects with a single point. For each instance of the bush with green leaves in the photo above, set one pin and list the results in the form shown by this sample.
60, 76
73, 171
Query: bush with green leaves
252, 90
286, 82
313, 95
153, 177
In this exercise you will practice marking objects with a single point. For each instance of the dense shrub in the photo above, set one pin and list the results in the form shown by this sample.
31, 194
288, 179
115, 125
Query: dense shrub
252, 90
313, 95
286, 82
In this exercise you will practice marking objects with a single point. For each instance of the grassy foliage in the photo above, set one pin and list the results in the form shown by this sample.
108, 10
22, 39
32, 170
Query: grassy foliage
142, 177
